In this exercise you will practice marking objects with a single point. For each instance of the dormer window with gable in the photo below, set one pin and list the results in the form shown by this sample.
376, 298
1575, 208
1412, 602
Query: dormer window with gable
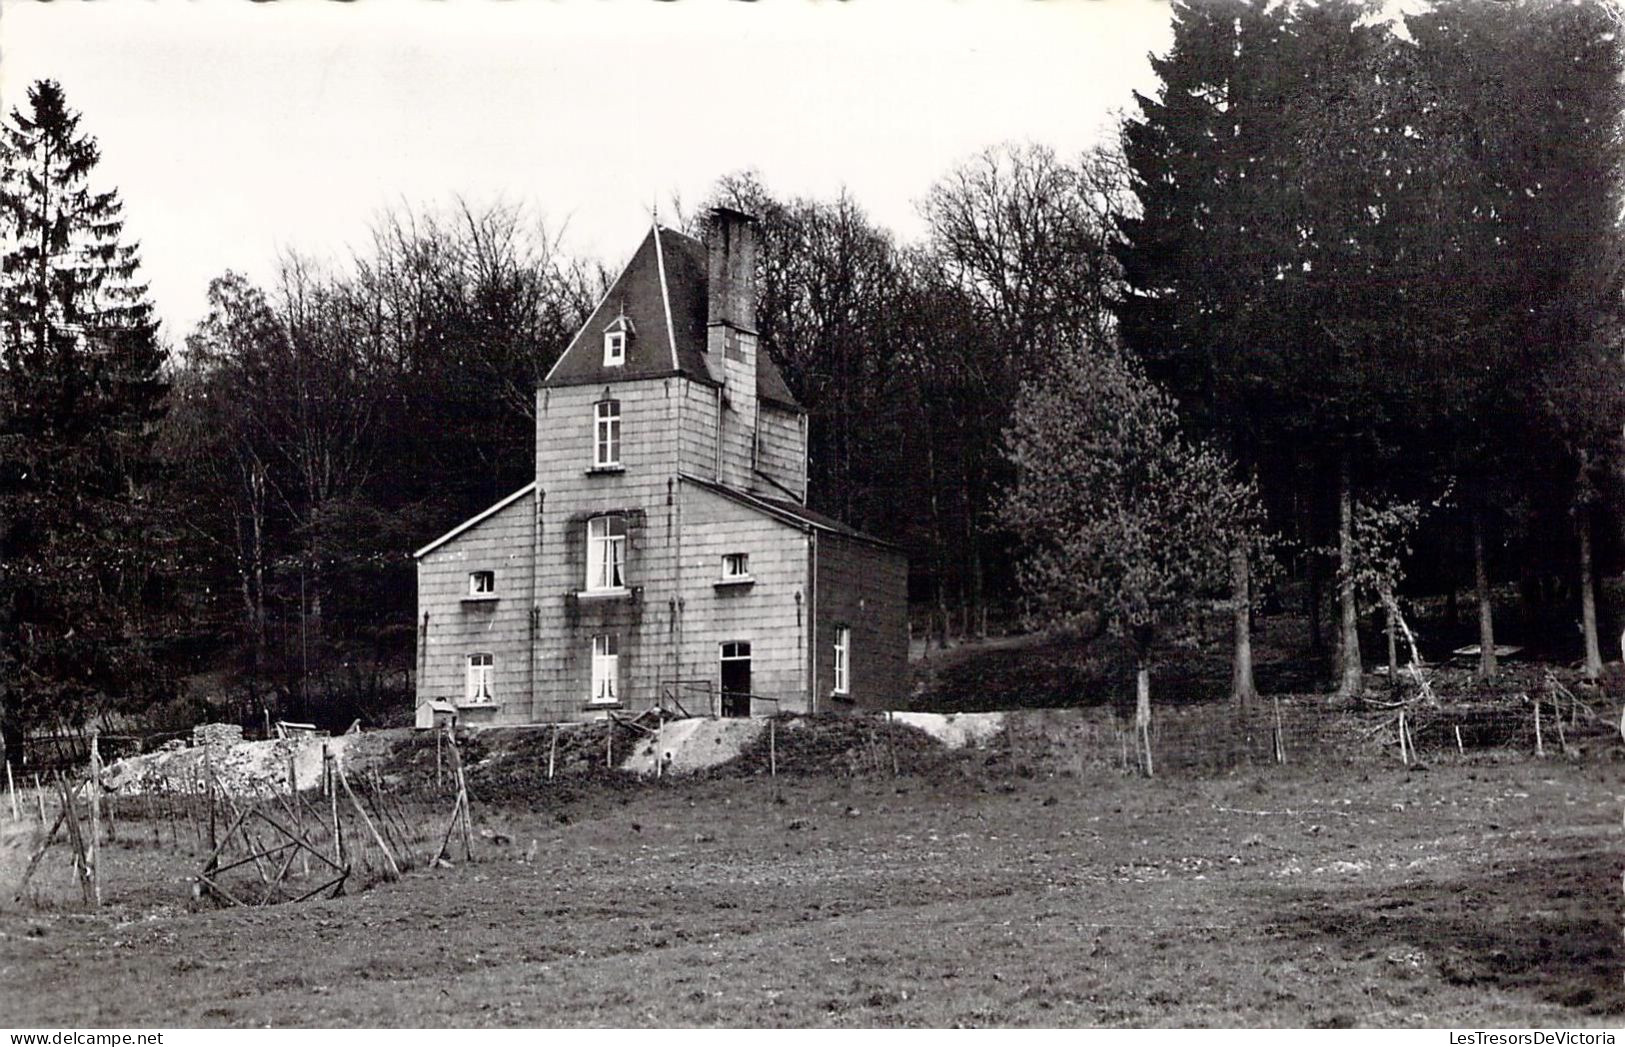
615, 338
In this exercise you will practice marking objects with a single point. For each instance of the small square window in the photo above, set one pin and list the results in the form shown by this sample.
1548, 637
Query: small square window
736, 565
614, 348
482, 583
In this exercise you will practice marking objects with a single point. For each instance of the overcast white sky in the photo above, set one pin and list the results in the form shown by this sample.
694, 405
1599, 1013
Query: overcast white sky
236, 130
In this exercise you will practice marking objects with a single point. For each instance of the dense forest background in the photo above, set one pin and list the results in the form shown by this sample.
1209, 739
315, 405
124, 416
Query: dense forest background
1380, 271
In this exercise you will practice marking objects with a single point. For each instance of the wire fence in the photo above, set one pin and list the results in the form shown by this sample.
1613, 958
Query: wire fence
259, 835
70, 839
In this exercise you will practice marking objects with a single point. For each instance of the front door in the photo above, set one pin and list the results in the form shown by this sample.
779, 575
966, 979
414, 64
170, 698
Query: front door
736, 679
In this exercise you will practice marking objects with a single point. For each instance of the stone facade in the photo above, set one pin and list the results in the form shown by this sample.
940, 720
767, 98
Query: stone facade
663, 553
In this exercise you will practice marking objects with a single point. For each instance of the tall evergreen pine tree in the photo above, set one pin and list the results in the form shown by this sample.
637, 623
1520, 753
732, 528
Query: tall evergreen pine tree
81, 387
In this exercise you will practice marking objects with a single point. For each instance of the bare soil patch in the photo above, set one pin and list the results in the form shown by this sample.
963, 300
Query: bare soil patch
1469, 893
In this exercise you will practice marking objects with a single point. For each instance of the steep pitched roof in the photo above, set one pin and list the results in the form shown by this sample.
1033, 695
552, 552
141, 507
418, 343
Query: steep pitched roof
474, 521
789, 512
662, 295
770, 385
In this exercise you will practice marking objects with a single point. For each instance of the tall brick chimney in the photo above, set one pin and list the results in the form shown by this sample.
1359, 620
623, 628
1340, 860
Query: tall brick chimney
731, 269
730, 341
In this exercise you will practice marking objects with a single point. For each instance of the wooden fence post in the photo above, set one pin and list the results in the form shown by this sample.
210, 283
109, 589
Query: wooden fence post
77, 837
95, 786
333, 804
366, 819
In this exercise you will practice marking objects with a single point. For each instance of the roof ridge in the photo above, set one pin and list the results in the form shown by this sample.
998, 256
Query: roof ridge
609, 289
665, 298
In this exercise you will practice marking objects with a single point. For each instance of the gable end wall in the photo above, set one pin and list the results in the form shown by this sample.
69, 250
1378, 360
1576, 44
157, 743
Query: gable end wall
458, 627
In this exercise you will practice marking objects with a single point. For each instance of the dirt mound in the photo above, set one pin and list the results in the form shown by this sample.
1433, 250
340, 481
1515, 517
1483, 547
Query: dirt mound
509, 766
835, 744
690, 745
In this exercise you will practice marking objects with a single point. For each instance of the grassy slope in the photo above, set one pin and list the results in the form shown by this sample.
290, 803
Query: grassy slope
1465, 895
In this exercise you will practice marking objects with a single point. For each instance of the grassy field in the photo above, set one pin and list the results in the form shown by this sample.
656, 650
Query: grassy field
1474, 893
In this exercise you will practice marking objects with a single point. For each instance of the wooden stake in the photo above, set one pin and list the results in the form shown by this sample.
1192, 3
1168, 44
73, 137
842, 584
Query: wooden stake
210, 864
169, 813
609, 743
773, 756
333, 803
1540, 746
445, 839
552, 751
208, 765
299, 841
1460, 749
462, 798
460, 810
392, 833
1280, 735
11, 788
390, 814
39, 852
344, 780
250, 840
96, 816
1403, 754
77, 837
39, 797
189, 805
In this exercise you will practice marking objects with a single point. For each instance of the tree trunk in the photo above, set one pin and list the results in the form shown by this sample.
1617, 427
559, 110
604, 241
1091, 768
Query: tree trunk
975, 584
1142, 711
1350, 681
1242, 689
1393, 640
1311, 562
1312, 604
1588, 600
1486, 614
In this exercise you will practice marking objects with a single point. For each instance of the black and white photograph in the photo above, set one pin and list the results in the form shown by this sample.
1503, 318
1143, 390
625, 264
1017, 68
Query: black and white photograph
802, 514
